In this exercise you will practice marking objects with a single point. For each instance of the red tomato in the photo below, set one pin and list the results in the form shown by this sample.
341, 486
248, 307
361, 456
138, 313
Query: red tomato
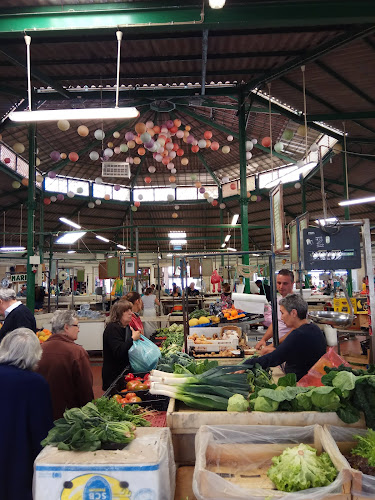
137, 378
136, 399
141, 386
123, 400
130, 395
132, 385
117, 397
128, 377
147, 383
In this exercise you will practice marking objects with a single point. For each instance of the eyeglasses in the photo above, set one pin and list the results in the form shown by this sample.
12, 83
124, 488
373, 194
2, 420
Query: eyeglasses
77, 325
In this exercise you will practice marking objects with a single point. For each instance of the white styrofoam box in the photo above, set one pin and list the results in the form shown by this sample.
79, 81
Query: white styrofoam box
217, 345
143, 470
207, 331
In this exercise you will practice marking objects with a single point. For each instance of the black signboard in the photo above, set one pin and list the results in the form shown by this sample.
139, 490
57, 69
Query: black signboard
332, 248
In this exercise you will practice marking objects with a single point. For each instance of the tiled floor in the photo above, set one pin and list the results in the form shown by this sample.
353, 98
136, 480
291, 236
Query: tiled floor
96, 368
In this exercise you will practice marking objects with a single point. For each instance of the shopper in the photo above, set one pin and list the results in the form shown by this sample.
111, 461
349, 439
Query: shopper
66, 365
264, 289
284, 285
149, 302
176, 292
137, 306
302, 347
118, 338
26, 412
16, 314
226, 296
191, 290
40, 293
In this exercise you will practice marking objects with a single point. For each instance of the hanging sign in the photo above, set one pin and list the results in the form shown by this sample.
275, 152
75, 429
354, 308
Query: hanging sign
278, 225
21, 277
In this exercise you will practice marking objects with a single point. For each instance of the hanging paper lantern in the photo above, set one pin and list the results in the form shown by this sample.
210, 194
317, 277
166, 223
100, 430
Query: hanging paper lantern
215, 203
170, 197
173, 130
129, 159
156, 129
175, 215
39, 178
116, 135
147, 180
301, 131
145, 137
173, 185
297, 185
206, 195
98, 180
141, 151
108, 152
37, 161
169, 146
137, 203
215, 146
190, 139
110, 145
230, 138
173, 170
172, 178
60, 197
131, 144
47, 201
180, 152
150, 145
184, 161
337, 148
177, 207
233, 186
136, 160
83, 131
52, 174
278, 147
188, 128
253, 197
208, 143
249, 155
140, 197
195, 149
254, 141
18, 147
314, 148
54, 155
123, 148
151, 169
99, 134
53, 199
165, 161
225, 179
158, 157
16, 185
79, 190
177, 122
117, 187
202, 143
149, 124
287, 135
202, 190
169, 124
98, 202
222, 206
193, 177
129, 136
70, 194
25, 182
259, 198
210, 199
91, 204
94, 156
107, 197
180, 134
140, 128
266, 142
117, 150
62, 156
248, 194
207, 134
225, 149
73, 156
63, 125
198, 184
249, 145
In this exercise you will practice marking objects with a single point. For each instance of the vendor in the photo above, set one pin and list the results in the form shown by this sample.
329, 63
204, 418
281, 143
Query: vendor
302, 347
284, 285
264, 289
191, 290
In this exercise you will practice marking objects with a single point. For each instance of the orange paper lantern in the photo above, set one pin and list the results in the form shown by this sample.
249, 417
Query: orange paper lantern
180, 152
140, 128
141, 151
73, 156
266, 142
195, 149
207, 134
147, 180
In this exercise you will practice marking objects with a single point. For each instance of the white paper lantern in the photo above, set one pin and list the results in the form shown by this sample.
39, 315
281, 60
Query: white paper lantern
98, 202
53, 199
225, 179
249, 155
170, 197
249, 145
91, 204
151, 169
70, 194
80, 190
140, 197
254, 141
173, 170
230, 138
108, 152
177, 207
98, 180
99, 134
314, 148
94, 156
222, 206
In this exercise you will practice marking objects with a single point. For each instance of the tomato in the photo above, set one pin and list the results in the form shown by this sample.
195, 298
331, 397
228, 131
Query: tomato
123, 400
130, 395
146, 377
147, 383
138, 378
135, 399
128, 377
117, 397
141, 387
132, 385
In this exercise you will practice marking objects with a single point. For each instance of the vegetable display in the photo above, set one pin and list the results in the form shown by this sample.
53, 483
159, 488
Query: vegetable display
300, 468
90, 427
237, 403
362, 457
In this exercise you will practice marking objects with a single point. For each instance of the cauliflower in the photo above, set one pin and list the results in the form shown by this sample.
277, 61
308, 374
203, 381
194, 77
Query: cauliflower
237, 403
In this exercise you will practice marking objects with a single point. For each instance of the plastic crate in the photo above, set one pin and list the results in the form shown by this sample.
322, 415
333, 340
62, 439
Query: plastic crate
158, 419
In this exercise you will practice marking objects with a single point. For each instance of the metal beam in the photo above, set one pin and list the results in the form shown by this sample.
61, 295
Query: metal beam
5, 89
157, 16
322, 49
344, 115
35, 74
352, 186
208, 168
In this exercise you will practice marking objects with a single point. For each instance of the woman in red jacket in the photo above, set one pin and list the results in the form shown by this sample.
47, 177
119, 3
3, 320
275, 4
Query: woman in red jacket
137, 305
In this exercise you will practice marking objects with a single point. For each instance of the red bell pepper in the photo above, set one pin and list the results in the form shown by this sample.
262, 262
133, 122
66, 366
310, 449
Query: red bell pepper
128, 377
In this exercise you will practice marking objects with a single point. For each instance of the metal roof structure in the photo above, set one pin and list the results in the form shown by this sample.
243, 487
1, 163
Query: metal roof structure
183, 60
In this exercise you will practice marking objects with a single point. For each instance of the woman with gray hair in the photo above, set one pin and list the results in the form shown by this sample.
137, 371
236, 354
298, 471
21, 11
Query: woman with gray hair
66, 365
302, 347
26, 412
16, 314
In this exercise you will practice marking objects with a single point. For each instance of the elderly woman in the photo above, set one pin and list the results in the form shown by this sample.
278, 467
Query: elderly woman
26, 412
118, 338
65, 365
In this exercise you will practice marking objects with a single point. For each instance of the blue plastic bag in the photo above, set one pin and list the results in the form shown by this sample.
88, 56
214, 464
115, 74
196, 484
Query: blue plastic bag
143, 355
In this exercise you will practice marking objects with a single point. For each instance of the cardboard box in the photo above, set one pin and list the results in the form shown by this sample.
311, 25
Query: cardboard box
360, 305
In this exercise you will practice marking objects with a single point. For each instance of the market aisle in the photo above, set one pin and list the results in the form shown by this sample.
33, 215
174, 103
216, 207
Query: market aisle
96, 368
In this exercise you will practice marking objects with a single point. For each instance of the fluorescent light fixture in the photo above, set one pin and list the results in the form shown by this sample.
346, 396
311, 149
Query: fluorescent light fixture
174, 235
286, 246
227, 238
357, 201
179, 242
232, 249
12, 249
223, 245
46, 115
70, 238
121, 246
159, 257
69, 222
101, 238
169, 254
216, 4
323, 222
71, 251
235, 219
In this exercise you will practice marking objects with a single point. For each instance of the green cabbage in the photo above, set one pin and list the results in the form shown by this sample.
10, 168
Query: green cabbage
300, 468
237, 403
262, 403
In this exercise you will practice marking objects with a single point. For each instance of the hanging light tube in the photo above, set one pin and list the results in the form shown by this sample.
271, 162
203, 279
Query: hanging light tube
101, 238
227, 238
69, 222
357, 201
121, 246
12, 249
235, 219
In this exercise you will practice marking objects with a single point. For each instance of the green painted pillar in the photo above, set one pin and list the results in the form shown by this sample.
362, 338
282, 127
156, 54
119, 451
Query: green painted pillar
131, 221
303, 193
41, 227
221, 222
30, 298
243, 191
349, 281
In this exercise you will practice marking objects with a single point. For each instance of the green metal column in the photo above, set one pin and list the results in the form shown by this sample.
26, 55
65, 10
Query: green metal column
49, 272
303, 193
221, 222
41, 227
243, 190
30, 299
131, 221
349, 281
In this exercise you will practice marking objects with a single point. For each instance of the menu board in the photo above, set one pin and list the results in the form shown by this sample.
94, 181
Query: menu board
293, 242
277, 205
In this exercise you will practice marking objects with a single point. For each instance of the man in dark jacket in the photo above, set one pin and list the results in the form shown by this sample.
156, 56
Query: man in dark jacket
16, 314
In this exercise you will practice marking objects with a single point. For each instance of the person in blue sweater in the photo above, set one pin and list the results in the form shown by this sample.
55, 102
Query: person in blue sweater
16, 314
302, 347
26, 412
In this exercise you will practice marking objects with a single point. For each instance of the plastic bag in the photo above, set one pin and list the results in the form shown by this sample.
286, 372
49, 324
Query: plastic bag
143, 355
313, 376
232, 462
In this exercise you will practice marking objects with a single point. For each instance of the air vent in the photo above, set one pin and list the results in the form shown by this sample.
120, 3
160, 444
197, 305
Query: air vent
115, 169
